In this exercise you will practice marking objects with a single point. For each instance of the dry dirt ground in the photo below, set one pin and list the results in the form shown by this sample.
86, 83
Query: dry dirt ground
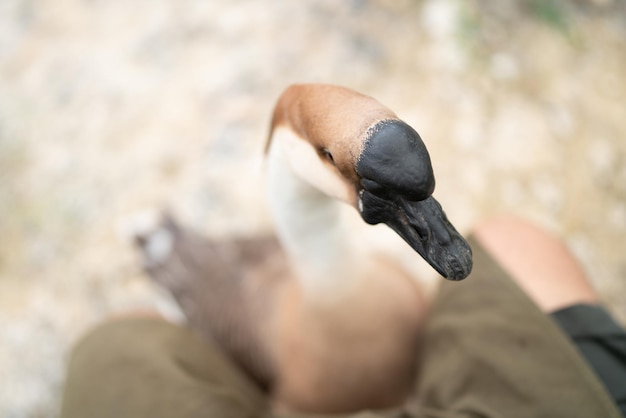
111, 107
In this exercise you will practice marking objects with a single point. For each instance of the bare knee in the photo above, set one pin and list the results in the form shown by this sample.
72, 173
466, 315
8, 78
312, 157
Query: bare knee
137, 313
540, 263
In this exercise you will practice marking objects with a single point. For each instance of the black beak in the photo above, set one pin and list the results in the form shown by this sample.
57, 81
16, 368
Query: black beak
425, 227
396, 187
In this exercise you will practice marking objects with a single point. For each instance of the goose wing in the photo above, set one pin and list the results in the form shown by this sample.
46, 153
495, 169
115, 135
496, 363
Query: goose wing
224, 288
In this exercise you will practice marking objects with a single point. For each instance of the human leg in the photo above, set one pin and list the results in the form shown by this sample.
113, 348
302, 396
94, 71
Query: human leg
146, 367
537, 261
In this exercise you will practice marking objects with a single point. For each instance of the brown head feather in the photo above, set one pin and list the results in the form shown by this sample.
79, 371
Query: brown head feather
330, 118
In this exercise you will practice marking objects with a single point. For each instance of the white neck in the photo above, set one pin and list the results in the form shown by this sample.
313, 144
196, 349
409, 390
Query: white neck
317, 231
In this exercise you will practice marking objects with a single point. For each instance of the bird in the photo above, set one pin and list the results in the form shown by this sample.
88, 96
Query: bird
321, 314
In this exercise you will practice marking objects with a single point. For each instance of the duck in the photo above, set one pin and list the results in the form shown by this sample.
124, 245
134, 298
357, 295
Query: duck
320, 314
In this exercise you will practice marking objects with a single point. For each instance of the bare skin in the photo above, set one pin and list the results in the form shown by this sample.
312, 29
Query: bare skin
540, 263
136, 314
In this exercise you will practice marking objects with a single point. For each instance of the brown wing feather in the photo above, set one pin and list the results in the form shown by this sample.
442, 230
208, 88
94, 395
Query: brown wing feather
225, 289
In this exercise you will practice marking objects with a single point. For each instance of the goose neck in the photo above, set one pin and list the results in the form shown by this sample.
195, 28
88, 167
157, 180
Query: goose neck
313, 227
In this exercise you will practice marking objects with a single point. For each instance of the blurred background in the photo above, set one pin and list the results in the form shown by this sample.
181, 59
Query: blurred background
108, 108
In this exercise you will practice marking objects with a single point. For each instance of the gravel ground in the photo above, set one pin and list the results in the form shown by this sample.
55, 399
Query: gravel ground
109, 107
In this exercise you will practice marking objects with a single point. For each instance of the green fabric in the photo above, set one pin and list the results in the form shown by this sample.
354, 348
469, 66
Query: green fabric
602, 342
148, 368
488, 352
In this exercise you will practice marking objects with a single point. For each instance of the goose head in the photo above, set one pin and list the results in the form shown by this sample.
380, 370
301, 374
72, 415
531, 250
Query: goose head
352, 148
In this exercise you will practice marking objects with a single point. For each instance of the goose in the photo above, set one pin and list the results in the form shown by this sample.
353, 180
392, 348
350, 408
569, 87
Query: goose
319, 315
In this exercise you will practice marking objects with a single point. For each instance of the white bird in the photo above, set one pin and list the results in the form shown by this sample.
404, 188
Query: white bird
324, 318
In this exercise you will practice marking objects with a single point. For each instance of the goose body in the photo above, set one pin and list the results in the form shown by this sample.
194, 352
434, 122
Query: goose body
325, 320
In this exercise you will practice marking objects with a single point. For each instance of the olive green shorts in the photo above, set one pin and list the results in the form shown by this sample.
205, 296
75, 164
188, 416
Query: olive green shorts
488, 352
602, 342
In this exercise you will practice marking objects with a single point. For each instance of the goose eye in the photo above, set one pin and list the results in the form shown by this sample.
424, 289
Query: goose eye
327, 154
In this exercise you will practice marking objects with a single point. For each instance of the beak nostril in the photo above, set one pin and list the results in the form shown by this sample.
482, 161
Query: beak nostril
422, 231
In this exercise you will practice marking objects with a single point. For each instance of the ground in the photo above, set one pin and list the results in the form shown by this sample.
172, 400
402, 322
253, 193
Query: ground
110, 108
